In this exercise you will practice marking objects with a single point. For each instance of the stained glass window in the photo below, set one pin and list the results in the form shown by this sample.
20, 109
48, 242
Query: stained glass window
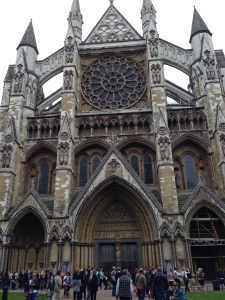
135, 163
148, 174
83, 171
95, 163
113, 82
190, 172
44, 178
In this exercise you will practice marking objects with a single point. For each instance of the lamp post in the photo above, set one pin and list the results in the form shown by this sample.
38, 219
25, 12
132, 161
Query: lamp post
9, 239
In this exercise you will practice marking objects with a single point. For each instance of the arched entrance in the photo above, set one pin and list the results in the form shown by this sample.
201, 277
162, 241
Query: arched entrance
207, 242
118, 228
28, 243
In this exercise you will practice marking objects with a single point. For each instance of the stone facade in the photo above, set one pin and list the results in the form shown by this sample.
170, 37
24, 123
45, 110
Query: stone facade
104, 171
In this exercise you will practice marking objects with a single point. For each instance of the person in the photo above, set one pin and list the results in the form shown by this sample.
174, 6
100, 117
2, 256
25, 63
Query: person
58, 284
33, 287
51, 286
185, 279
21, 277
201, 279
189, 276
171, 277
93, 286
68, 285
100, 274
76, 283
140, 282
220, 275
179, 294
83, 279
160, 284
113, 280
124, 287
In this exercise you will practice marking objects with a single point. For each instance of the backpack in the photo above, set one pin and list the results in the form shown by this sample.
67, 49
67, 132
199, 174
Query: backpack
149, 278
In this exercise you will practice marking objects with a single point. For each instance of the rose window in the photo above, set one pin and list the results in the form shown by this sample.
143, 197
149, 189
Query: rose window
113, 82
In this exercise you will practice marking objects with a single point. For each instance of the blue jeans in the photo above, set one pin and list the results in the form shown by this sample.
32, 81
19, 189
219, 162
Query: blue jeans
31, 296
114, 288
141, 294
160, 294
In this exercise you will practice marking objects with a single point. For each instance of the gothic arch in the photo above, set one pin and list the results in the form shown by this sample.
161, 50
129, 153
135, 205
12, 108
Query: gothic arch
31, 151
190, 137
54, 234
91, 142
165, 231
178, 230
67, 233
203, 203
104, 195
138, 140
19, 214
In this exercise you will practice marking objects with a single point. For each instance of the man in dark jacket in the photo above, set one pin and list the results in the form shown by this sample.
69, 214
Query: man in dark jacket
124, 288
160, 284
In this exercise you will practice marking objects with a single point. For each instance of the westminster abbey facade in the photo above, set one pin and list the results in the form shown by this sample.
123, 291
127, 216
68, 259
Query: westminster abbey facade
105, 171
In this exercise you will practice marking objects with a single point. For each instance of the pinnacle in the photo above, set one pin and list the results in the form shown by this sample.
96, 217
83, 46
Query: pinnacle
198, 25
28, 38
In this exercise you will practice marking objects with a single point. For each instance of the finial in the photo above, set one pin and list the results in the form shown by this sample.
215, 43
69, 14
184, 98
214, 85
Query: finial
111, 2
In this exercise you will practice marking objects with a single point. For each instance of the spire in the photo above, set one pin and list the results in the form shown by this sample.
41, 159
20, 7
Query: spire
148, 16
198, 25
76, 19
29, 38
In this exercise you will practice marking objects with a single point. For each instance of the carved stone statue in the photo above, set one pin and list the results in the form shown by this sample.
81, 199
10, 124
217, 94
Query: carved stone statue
68, 79
118, 252
153, 43
178, 181
69, 48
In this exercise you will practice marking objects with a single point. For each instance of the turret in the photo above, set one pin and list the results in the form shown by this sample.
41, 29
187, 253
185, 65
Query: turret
148, 16
29, 45
199, 28
76, 19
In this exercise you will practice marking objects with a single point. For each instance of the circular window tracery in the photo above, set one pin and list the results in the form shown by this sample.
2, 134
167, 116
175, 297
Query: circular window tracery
113, 82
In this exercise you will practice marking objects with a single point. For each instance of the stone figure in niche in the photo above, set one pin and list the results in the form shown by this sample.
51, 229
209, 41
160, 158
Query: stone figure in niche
167, 152
162, 152
6, 157
68, 79
69, 48
156, 73
209, 63
178, 181
118, 253
61, 156
153, 43
18, 77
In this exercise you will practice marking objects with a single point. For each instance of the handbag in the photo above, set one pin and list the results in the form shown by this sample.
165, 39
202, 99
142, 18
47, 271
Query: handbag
139, 287
69, 284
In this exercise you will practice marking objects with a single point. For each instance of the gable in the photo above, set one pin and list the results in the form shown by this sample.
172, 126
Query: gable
112, 27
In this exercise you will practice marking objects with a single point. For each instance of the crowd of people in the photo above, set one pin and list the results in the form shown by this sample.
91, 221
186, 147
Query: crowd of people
155, 283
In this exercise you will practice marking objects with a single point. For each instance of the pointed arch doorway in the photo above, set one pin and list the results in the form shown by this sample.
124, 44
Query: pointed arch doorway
28, 244
119, 228
207, 242
118, 237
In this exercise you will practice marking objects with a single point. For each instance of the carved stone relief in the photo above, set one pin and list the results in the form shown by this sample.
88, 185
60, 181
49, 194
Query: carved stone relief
117, 220
68, 80
18, 79
209, 63
6, 156
69, 48
153, 43
63, 153
156, 73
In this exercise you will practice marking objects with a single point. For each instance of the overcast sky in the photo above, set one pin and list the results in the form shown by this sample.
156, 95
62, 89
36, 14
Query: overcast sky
174, 18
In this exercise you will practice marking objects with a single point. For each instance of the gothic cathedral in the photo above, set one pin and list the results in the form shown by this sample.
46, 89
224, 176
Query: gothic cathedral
105, 171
